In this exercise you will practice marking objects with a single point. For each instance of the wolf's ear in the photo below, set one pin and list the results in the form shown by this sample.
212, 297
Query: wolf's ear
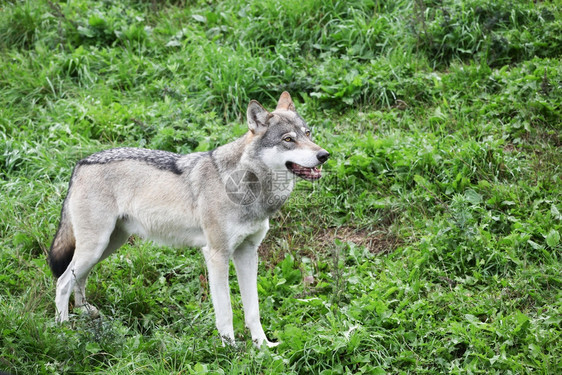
257, 117
285, 102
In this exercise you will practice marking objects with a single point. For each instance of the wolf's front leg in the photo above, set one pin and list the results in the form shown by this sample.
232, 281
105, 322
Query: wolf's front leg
217, 267
246, 262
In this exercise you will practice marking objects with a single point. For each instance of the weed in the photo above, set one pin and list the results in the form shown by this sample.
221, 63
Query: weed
431, 245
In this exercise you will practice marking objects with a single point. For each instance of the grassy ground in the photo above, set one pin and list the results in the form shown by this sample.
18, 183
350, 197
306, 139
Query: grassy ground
432, 245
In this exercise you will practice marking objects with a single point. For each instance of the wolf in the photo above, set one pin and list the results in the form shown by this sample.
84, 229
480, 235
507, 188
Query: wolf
220, 201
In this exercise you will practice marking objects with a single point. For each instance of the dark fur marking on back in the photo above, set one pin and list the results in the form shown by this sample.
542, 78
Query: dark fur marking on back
160, 159
213, 160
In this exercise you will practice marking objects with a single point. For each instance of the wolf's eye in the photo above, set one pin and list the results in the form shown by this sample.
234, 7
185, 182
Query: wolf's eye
288, 139
307, 133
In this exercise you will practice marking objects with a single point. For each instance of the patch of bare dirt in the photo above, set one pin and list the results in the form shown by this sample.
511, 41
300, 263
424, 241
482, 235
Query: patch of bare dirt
322, 242
375, 241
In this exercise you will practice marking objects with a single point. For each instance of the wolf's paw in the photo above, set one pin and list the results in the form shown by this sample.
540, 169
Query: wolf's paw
87, 309
266, 342
272, 344
228, 341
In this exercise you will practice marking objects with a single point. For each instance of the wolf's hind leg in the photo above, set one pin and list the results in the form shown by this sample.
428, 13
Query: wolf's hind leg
80, 299
116, 240
65, 284
90, 248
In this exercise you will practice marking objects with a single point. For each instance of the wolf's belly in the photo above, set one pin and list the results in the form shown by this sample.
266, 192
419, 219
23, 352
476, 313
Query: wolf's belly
166, 232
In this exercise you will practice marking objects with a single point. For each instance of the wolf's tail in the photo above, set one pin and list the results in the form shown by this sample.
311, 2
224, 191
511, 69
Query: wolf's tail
62, 248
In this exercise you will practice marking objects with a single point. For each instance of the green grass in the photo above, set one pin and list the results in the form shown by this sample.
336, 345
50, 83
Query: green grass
433, 240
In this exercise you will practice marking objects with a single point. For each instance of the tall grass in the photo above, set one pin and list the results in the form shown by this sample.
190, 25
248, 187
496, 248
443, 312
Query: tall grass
431, 245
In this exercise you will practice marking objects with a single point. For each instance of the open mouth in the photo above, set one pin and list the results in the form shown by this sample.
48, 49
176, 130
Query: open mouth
309, 174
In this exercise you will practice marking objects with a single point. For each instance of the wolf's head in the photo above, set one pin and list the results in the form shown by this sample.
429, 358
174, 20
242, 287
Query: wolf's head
285, 140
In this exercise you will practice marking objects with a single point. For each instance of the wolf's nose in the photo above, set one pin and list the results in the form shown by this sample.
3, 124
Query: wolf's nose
322, 156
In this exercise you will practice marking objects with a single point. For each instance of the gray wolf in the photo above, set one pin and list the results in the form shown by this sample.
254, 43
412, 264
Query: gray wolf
220, 201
